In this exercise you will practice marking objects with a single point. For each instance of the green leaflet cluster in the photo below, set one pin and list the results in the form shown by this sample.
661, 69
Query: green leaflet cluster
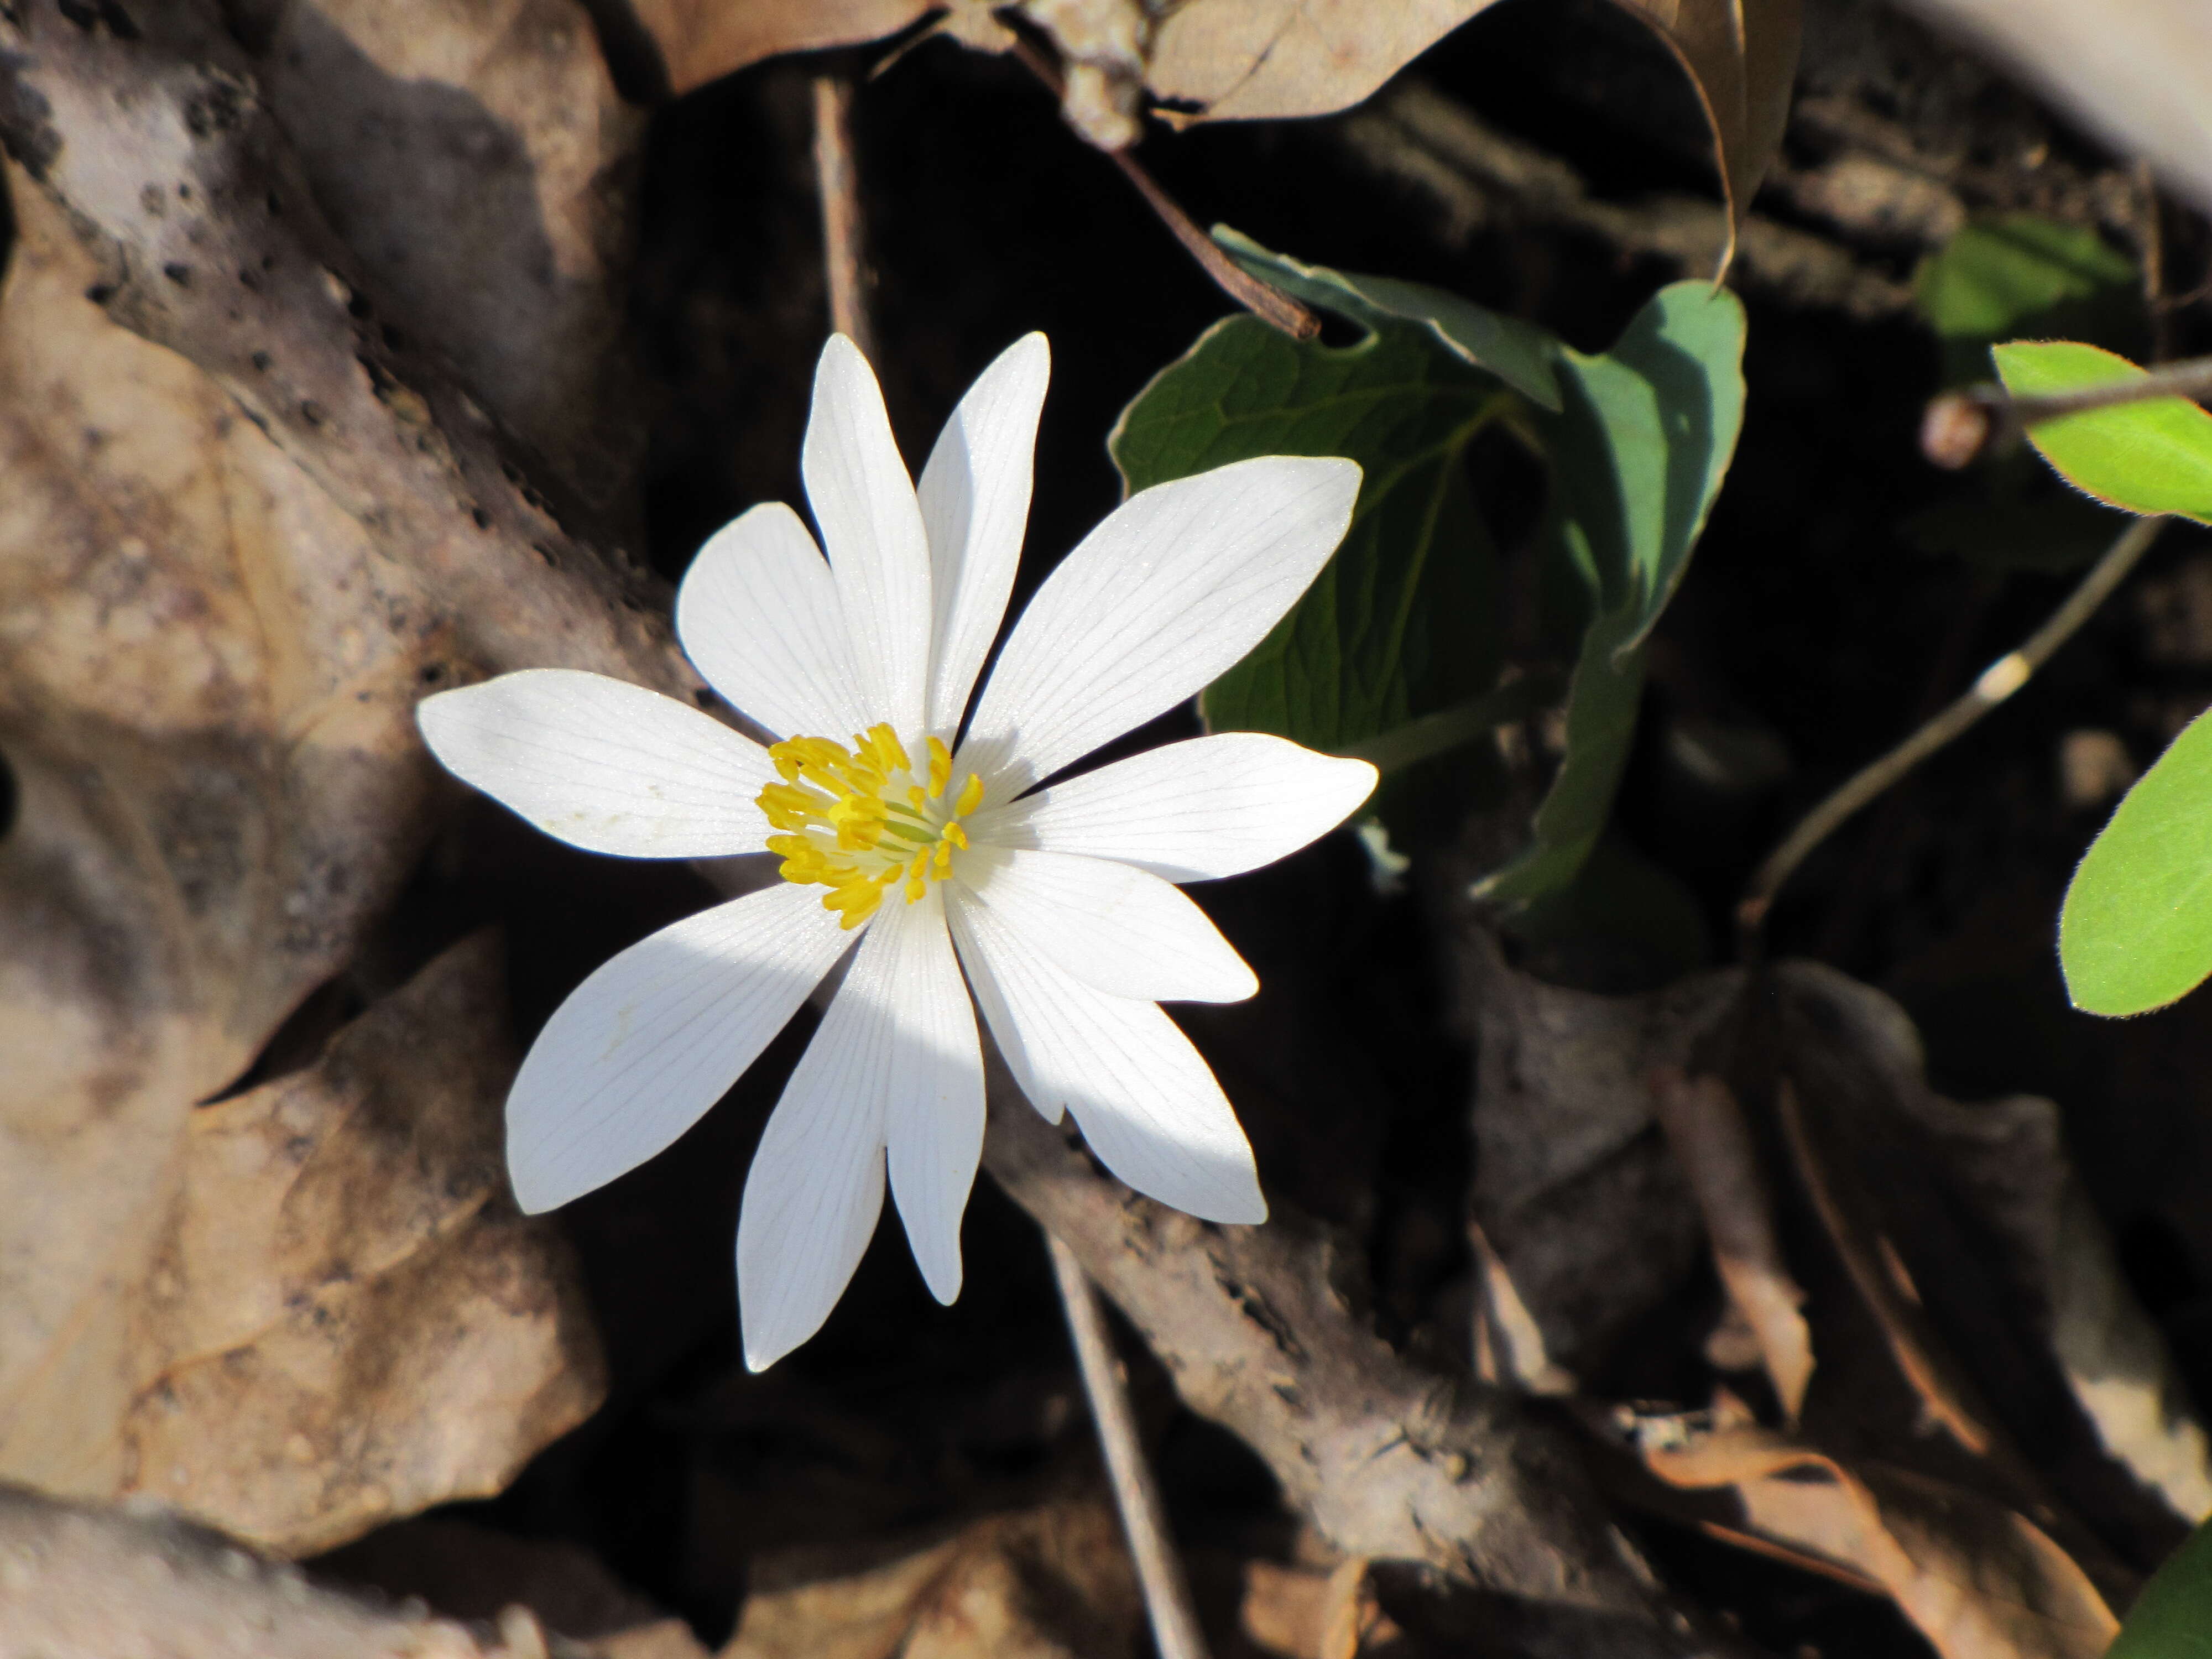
2135, 931
1397, 652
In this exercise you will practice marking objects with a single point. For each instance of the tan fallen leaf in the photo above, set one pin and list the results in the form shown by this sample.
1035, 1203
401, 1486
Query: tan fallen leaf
1706, 1129
1978, 1580
1052, 1583
463, 1569
347, 1321
700, 40
1261, 60
85, 1581
207, 674
1742, 58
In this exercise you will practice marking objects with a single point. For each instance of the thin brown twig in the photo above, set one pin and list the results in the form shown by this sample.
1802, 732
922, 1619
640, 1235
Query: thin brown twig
1995, 684
837, 183
1159, 1570
1263, 299
1994, 420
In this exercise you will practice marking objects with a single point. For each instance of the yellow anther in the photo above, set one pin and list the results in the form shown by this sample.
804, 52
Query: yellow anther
859, 821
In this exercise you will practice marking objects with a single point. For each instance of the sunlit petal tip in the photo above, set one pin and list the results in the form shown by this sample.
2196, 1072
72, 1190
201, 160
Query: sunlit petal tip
872, 529
975, 498
757, 612
602, 764
1112, 926
1193, 810
1176, 585
1148, 1105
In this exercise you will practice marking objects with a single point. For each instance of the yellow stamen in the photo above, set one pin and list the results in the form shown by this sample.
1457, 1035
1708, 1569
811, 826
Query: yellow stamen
859, 821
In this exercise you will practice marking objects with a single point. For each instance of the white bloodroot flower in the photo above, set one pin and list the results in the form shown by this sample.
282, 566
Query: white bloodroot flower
931, 846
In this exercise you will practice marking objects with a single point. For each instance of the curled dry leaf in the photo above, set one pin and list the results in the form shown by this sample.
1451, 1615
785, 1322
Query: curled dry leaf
1978, 1580
1741, 57
1052, 1583
1712, 1143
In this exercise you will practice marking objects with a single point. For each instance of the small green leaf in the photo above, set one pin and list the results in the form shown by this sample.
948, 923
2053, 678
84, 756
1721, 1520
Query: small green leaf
2002, 274
1518, 353
2136, 931
1639, 452
2172, 1619
1405, 618
2150, 457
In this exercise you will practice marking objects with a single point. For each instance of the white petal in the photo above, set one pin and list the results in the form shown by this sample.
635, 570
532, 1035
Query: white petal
1178, 585
642, 1049
896, 1059
1190, 812
864, 503
1117, 928
1146, 1102
975, 496
602, 764
934, 1120
758, 613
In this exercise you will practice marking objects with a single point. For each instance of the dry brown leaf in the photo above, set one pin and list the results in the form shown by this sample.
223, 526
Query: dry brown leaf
1741, 57
700, 40
207, 676
347, 1321
1706, 1129
460, 1570
1266, 59
1978, 1580
1052, 1583
496, 123
1574, 1187
2007, 1160
88, 1583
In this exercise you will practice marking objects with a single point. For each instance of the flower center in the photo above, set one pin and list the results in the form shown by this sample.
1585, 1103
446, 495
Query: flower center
859, 820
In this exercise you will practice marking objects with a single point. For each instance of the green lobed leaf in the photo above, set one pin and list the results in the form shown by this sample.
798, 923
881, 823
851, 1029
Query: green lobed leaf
2002, 274
2172, 1619
2135, 931
1404, 620
1520, 354
1638, 451
2150, 457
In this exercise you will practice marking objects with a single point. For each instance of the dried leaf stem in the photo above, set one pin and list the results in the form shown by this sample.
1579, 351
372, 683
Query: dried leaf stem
1991, 687
1263, 299
1136, 1494
836, 182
